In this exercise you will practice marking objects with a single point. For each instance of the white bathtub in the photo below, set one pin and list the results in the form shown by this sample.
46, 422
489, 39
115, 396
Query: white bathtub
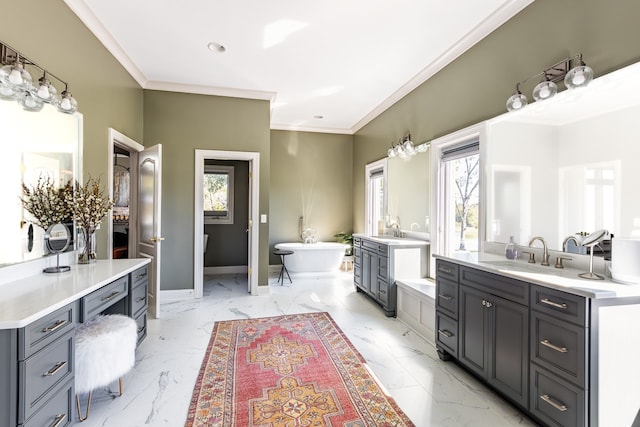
320, 257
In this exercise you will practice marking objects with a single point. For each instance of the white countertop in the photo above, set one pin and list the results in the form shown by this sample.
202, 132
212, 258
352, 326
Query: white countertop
566, 279
28, 299
394, 241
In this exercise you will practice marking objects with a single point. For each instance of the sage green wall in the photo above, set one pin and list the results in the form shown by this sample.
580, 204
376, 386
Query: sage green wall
476, 86
182, 123
311, 177
49, 33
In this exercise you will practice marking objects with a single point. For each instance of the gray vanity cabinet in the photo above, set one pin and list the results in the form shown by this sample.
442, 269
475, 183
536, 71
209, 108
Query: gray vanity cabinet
137, 303
493, 338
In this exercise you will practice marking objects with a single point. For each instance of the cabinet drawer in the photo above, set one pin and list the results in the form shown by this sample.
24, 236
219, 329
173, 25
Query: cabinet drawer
447, 297
559, 347
57, 411
138, 299
357, 242
141, 322
383, 292
555, 401
505, 287
370, 244
139, 276
44, 331
562, 305
97, 301
383, 249
447, 270
447, 334
383, 270
357, 256
40, 373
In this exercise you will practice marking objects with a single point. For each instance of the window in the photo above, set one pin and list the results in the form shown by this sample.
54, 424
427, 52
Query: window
218, 194
375, 196
460, 166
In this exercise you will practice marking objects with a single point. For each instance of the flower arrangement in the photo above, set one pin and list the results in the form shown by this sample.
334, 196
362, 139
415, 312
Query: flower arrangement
89, 205
46, 203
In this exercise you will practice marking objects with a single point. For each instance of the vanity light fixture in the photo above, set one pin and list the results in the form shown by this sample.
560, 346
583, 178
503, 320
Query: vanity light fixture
405, 147
16, 84
578, 76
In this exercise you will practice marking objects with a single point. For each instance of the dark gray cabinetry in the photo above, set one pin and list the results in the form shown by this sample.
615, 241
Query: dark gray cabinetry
559, 342
494, 333
446, 309
137, 303
371, 274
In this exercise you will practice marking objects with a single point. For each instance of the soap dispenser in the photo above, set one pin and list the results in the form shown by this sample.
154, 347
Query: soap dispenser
511, 249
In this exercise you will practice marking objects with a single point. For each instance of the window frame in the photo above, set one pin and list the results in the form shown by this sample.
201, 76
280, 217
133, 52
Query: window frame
212, 217
373, 169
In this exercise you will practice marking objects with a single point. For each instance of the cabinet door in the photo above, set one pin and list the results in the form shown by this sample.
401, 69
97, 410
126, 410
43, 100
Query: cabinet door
366, 270
509, 348
473, 349
373, 274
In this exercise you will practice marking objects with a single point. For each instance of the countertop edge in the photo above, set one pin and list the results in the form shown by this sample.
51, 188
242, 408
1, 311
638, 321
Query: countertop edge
76, 269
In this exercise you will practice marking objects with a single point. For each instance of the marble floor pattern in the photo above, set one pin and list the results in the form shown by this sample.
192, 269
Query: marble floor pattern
431, 392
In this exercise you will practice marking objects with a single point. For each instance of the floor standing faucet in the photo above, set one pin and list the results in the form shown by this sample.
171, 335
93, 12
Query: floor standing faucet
545, 251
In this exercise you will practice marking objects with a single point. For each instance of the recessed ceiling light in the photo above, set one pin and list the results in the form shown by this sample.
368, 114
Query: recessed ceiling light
318, 116
216, 47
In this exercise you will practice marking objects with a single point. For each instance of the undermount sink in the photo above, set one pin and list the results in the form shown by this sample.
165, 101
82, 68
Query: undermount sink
517, 265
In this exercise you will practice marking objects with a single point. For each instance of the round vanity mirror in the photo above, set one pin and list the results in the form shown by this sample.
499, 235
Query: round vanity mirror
591, 241
57, 240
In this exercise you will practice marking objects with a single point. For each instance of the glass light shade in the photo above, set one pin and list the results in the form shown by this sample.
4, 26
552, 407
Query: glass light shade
516, 101
7, 93
422, 148
544, 90
67, 103
408, 147
579, 76
45, 90
400, 151
15, 76
391, 152
30, 102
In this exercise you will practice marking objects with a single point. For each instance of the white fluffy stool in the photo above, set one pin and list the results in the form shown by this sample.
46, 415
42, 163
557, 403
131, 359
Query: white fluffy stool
105, 351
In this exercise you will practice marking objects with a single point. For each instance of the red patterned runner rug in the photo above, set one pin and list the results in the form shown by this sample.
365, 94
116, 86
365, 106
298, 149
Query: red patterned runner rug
287, 371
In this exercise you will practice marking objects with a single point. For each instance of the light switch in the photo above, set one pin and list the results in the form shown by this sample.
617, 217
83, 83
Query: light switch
263, 218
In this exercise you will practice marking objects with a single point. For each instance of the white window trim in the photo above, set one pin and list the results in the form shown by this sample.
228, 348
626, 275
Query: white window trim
230, 171
370, 228
478, 131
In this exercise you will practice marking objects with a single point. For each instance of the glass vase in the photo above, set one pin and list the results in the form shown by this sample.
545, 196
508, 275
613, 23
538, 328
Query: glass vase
87, 249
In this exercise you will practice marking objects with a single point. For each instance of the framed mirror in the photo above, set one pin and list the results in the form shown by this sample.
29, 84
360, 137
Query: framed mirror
46, 143
567, 166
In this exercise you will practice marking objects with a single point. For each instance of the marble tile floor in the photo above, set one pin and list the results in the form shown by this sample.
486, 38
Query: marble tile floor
431, 392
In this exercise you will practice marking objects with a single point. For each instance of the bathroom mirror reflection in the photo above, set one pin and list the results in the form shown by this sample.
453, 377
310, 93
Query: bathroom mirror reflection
408, 184
35, 144
567, 165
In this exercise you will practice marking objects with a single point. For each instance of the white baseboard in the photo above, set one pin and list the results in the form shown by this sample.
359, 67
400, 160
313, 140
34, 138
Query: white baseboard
231, 269
176, 295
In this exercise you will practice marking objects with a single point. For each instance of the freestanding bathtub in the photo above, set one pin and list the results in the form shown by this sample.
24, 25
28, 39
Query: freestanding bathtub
320, 257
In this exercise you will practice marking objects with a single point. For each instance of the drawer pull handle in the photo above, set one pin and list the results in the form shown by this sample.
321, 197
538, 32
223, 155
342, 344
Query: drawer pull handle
140, 276
56, 368
446, 270
111, 295
59, 420
140, 299
560, 407
546, 343
445, 333
59, 324
140, 330
553, 304
445, 297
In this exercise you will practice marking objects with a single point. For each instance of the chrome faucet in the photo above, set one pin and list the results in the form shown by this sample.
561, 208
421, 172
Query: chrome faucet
545, 251
565, 241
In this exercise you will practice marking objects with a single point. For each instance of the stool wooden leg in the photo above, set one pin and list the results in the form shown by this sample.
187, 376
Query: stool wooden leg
120, 382
88, 407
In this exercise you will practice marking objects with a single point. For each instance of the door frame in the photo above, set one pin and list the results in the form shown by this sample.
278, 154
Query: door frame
254, 215
123, 141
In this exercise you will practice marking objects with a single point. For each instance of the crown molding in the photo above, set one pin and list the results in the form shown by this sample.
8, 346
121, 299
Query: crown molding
211, 90
94, 25
479, 32
317, 129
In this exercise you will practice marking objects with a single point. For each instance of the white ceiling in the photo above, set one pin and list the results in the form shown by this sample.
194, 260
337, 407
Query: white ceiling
346, 61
